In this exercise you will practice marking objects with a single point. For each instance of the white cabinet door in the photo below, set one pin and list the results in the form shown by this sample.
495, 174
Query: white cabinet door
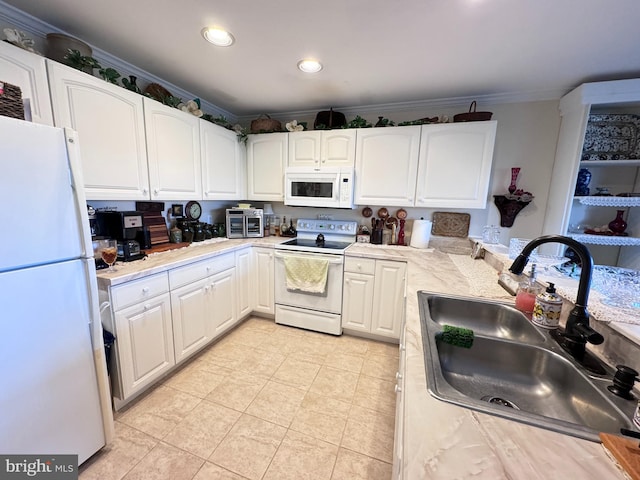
304, 149
223, 171
266, 160
318, 149
173, 146
110, 125
144, 341
357, 301
386, 166
223, 301
388, 298
455, 165
27, 71
338, 148
263, 280
243, 282
189, 310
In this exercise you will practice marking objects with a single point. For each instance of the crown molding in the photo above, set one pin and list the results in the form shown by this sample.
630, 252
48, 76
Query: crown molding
34, 26
422, 105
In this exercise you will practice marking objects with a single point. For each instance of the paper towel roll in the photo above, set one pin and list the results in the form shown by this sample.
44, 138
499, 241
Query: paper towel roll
420, 233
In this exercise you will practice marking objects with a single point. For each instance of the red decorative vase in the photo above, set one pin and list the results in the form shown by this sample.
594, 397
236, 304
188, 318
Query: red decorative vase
618, 225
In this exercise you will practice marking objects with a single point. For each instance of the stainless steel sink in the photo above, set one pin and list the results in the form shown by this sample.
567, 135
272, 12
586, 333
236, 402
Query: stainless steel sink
515, 370
483, 317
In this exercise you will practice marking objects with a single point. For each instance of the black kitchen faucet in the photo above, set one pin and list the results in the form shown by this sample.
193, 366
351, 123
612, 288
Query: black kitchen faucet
577, 330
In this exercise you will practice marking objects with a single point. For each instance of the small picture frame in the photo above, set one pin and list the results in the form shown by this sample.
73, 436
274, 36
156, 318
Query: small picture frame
177, 210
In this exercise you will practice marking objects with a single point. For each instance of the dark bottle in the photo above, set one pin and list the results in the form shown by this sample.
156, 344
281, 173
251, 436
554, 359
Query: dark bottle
292, 230
198, 234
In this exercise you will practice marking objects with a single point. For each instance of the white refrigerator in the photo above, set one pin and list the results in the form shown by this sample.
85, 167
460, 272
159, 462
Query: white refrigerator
54, 394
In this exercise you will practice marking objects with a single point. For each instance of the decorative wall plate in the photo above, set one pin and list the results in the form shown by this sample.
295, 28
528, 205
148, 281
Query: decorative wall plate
612, 137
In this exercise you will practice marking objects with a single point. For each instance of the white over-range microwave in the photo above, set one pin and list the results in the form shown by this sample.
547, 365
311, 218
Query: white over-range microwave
328, 187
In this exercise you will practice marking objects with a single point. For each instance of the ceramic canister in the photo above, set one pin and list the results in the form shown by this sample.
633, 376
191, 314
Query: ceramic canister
547, 309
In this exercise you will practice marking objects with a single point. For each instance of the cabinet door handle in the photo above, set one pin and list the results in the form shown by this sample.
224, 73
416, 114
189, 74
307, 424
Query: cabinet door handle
156, 191
147, 306
398, 376
145, 190
397, 388
145, 290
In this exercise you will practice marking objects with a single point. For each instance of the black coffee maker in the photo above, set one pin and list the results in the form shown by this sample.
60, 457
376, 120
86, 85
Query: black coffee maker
127, 228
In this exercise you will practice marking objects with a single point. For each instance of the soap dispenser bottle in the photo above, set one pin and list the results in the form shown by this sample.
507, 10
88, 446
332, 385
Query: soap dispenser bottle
546, 312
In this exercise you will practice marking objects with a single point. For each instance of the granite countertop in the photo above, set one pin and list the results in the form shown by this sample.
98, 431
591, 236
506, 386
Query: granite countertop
444, 441
441, 440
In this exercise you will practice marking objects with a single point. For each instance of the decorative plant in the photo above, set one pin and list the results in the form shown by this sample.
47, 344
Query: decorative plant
172, 101
85, 63
110, 75
384, 122
358, 122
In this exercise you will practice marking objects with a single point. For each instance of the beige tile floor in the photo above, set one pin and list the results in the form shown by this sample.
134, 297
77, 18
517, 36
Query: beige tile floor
266, 402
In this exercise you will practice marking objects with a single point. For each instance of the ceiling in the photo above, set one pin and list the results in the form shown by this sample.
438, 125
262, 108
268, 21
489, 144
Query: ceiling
374, 52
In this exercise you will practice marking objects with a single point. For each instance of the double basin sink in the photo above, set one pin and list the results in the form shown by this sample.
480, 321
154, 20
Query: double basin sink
515, 370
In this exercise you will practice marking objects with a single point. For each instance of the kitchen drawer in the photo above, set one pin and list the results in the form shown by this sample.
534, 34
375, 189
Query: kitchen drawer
199, 270
360, 265
138, 291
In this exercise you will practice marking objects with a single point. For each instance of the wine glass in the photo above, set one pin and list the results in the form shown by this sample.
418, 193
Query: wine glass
109, 253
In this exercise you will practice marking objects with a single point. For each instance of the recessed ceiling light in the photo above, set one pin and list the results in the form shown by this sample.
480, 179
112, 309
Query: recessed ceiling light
309, 66
218, 36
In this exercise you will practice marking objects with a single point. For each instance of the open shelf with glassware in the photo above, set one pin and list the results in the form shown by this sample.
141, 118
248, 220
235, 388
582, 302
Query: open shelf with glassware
613, 194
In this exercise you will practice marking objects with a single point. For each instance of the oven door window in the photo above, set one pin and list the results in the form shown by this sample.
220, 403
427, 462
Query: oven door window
315, 189
236, 228
254, 226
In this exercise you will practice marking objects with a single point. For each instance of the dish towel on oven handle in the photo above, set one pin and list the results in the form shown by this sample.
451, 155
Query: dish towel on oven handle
306, 274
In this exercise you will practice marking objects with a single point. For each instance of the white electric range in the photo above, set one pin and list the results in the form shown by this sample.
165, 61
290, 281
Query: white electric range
319, 243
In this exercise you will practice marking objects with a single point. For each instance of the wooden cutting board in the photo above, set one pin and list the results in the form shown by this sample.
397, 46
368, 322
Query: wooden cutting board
626, 451
449, 224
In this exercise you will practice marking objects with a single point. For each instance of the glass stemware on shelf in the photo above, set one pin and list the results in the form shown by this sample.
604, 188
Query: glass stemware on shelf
109, 253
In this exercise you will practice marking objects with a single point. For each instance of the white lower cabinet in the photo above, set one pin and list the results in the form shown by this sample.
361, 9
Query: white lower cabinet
190, 326
388, 298
243, 281
373, 296
161, 320
144, 333
263, 278
223, 301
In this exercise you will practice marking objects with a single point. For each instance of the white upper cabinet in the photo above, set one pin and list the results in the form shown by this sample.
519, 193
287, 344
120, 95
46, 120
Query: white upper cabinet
455, 165
386, 166
266, 161
318, 149
27, 71
173, 150
223, 169
110, 125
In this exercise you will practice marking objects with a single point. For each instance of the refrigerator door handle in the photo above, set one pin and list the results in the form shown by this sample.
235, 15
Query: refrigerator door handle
77, 182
